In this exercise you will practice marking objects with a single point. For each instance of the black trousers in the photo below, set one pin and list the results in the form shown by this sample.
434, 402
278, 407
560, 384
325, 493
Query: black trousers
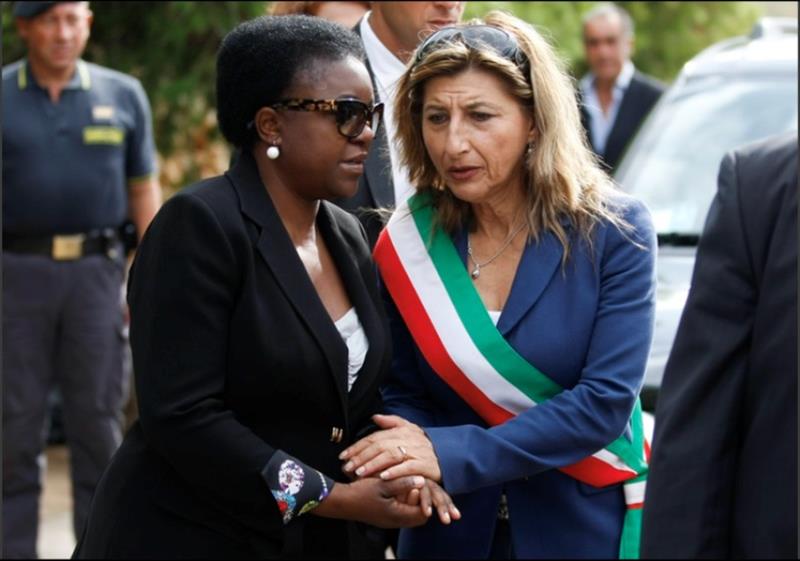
62, 325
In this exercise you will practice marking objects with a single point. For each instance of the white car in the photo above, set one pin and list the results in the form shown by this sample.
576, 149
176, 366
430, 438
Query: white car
733, 93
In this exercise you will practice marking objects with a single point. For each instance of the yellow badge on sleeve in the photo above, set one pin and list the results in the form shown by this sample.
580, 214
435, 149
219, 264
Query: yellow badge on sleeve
103, 135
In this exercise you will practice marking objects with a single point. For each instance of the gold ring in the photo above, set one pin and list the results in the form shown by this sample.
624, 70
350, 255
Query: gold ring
403, 452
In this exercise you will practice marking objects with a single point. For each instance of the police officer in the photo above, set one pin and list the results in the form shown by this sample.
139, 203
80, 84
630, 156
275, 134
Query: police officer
78, 158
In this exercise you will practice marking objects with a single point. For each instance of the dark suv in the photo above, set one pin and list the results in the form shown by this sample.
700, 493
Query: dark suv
733, 93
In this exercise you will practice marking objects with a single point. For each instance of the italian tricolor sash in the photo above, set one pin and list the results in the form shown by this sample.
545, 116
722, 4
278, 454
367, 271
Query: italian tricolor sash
447, 319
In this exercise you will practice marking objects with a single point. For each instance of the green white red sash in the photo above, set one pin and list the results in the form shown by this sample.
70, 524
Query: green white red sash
449, 323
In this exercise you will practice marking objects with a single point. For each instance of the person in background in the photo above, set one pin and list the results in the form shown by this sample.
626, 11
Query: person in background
257, 331
78, 160
723, 481
390, 32
345, 13
616, 98
520, 289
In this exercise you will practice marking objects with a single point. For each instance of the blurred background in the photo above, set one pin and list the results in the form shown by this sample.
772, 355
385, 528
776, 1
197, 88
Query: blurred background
171, 47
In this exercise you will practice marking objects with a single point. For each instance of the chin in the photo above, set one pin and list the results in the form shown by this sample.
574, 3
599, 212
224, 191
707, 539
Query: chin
469, 193
342, 189
610, 73
60, 63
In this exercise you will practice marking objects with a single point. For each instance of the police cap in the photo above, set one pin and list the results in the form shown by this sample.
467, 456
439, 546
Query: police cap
31, 9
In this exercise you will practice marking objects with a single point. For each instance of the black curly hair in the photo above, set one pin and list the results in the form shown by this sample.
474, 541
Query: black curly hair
260, 59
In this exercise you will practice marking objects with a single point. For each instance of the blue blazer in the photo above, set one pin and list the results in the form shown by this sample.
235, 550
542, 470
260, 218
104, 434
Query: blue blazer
588, 326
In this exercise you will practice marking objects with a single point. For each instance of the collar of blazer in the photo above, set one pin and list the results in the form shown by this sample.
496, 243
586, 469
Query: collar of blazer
539, 262
629, 116
378, 167
275, 247
378, 171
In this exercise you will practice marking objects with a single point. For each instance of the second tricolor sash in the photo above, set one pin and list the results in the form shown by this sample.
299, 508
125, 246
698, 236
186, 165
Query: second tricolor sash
447, 319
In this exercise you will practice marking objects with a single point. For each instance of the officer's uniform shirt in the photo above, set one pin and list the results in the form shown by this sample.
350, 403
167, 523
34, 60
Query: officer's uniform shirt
66, 165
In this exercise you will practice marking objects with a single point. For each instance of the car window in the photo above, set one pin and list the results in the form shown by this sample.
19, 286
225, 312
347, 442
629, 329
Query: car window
672, 165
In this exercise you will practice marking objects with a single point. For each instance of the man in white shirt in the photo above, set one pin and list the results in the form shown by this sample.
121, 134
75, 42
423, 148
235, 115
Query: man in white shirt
390, 32
616, 97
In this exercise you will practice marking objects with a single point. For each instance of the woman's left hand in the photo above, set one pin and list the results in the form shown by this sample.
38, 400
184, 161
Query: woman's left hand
401, 448
431, 496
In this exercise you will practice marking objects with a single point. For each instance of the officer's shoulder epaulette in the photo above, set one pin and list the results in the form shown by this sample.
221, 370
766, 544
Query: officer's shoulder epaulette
11, 70
109, 75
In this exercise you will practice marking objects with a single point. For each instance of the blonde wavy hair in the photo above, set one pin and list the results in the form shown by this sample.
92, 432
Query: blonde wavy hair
564, 178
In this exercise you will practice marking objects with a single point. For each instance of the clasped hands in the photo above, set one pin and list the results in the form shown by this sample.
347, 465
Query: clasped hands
401, 451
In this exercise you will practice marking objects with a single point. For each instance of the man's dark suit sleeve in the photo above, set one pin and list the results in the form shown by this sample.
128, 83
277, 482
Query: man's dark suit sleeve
702, 393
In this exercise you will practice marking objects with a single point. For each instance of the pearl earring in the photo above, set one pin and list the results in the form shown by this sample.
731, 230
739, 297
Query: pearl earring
273, 152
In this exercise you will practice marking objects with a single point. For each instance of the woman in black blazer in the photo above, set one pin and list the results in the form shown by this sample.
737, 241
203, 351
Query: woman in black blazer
247, 390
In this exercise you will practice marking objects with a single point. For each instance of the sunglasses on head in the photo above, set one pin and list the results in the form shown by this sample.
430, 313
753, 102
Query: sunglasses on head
352, 115
475, 37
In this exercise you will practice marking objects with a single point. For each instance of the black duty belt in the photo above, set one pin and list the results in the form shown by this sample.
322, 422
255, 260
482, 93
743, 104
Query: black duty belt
65, 247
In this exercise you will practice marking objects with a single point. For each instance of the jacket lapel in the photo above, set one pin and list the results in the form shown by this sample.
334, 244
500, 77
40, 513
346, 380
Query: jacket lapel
357, 291
539, 262
275, 247
378, 167
378, 171
624, 124
585, 120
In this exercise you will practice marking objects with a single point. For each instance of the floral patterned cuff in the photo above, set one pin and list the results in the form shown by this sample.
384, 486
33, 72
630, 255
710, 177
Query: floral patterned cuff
297, 488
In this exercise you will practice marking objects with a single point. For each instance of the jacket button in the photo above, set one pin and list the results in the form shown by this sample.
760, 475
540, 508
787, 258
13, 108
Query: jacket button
336, 434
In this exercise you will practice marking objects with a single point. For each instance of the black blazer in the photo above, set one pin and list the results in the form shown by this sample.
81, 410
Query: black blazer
235, 357
375, 186
642, 94
723, 476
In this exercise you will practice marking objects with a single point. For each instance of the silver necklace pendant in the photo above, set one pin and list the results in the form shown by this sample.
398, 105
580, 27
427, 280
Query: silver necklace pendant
476, 272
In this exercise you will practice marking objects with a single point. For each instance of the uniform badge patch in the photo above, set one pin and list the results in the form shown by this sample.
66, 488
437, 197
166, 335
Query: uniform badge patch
102, 112
103, 135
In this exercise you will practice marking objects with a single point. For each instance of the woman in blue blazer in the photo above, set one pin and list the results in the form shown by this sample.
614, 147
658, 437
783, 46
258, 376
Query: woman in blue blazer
520, 288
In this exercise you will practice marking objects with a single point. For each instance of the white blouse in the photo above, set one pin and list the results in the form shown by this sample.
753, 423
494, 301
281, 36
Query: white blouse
495, 315
355, 338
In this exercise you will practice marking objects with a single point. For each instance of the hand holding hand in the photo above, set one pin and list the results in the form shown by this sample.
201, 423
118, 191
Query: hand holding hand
374, 502
400, 449
432, 495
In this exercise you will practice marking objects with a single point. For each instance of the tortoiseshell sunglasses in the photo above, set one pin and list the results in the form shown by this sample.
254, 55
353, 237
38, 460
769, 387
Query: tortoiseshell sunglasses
352, 115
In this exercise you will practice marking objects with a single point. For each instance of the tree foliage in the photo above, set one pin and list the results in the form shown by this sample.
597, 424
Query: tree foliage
171, 47
667, 34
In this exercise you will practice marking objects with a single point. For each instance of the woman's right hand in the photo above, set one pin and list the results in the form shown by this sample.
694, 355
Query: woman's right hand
376, 502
